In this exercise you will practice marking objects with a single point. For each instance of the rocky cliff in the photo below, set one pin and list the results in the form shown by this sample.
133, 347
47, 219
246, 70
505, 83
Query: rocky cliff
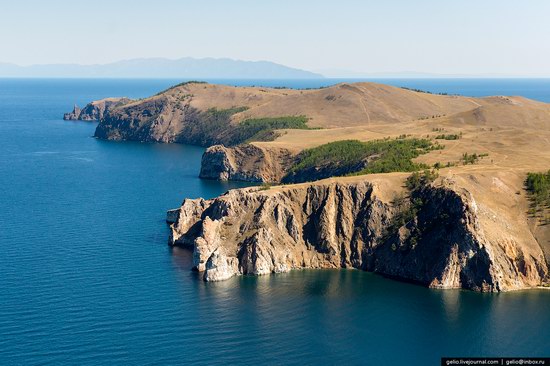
437, 236
246, 162
95, 111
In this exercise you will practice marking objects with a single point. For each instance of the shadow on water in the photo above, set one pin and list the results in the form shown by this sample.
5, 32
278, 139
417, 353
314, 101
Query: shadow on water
350, 315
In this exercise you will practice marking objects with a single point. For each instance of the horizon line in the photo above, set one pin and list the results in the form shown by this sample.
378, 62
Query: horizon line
325, 73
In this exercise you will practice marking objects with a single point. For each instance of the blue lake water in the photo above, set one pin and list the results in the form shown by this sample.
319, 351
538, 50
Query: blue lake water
87, 278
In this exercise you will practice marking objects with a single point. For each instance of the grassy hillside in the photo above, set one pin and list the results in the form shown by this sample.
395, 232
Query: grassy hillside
538, 187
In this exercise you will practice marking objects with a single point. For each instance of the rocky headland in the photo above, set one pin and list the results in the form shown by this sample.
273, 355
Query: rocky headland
449, 239
94, 111
475, 226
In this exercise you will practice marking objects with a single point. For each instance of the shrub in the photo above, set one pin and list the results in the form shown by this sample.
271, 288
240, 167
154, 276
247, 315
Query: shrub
407, 210
449, 137
472, 158
265, 187
417, 180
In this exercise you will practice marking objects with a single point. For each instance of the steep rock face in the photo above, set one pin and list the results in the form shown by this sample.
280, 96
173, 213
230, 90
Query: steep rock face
165, 119
445, 246
95, 111
144, 121
245, 162
353, 224
74, 115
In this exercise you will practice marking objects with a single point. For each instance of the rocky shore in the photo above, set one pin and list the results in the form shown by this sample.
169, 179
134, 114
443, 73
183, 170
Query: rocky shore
358, 223
94, 111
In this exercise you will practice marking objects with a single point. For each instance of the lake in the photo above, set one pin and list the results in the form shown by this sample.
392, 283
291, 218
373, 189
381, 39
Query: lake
87, 277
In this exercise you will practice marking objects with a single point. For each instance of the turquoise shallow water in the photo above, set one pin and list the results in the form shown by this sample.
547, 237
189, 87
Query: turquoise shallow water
86, 276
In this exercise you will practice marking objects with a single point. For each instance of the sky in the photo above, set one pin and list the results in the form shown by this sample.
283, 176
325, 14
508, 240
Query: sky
433, 36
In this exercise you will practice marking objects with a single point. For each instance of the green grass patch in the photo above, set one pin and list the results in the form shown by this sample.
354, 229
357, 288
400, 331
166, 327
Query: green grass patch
353, 157
538, 185
210, 127
225, 113
396, 155
214, 126
538, 188
264, 129
346, 152
449, 137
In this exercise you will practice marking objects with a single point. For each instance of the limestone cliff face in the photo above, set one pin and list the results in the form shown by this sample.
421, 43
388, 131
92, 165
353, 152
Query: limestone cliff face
94, 111
354, 224
245, 162
155, 120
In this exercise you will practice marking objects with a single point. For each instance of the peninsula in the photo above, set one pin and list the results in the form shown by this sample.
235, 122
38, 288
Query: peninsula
441, 190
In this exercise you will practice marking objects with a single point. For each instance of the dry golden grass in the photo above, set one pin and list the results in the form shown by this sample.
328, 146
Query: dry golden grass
513, 131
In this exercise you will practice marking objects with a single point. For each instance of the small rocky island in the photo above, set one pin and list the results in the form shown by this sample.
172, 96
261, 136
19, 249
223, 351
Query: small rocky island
426, 188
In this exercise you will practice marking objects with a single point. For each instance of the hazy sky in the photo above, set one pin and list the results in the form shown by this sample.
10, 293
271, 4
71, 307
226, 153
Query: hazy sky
437, 36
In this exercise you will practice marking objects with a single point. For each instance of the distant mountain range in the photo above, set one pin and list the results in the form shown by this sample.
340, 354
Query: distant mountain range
188, 67
359, 75
209, 68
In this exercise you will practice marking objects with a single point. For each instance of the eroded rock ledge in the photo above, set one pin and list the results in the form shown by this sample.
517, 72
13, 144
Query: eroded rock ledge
94, 111
246, 162
355, 224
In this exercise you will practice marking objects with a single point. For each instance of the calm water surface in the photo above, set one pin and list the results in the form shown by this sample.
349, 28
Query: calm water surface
86, 277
